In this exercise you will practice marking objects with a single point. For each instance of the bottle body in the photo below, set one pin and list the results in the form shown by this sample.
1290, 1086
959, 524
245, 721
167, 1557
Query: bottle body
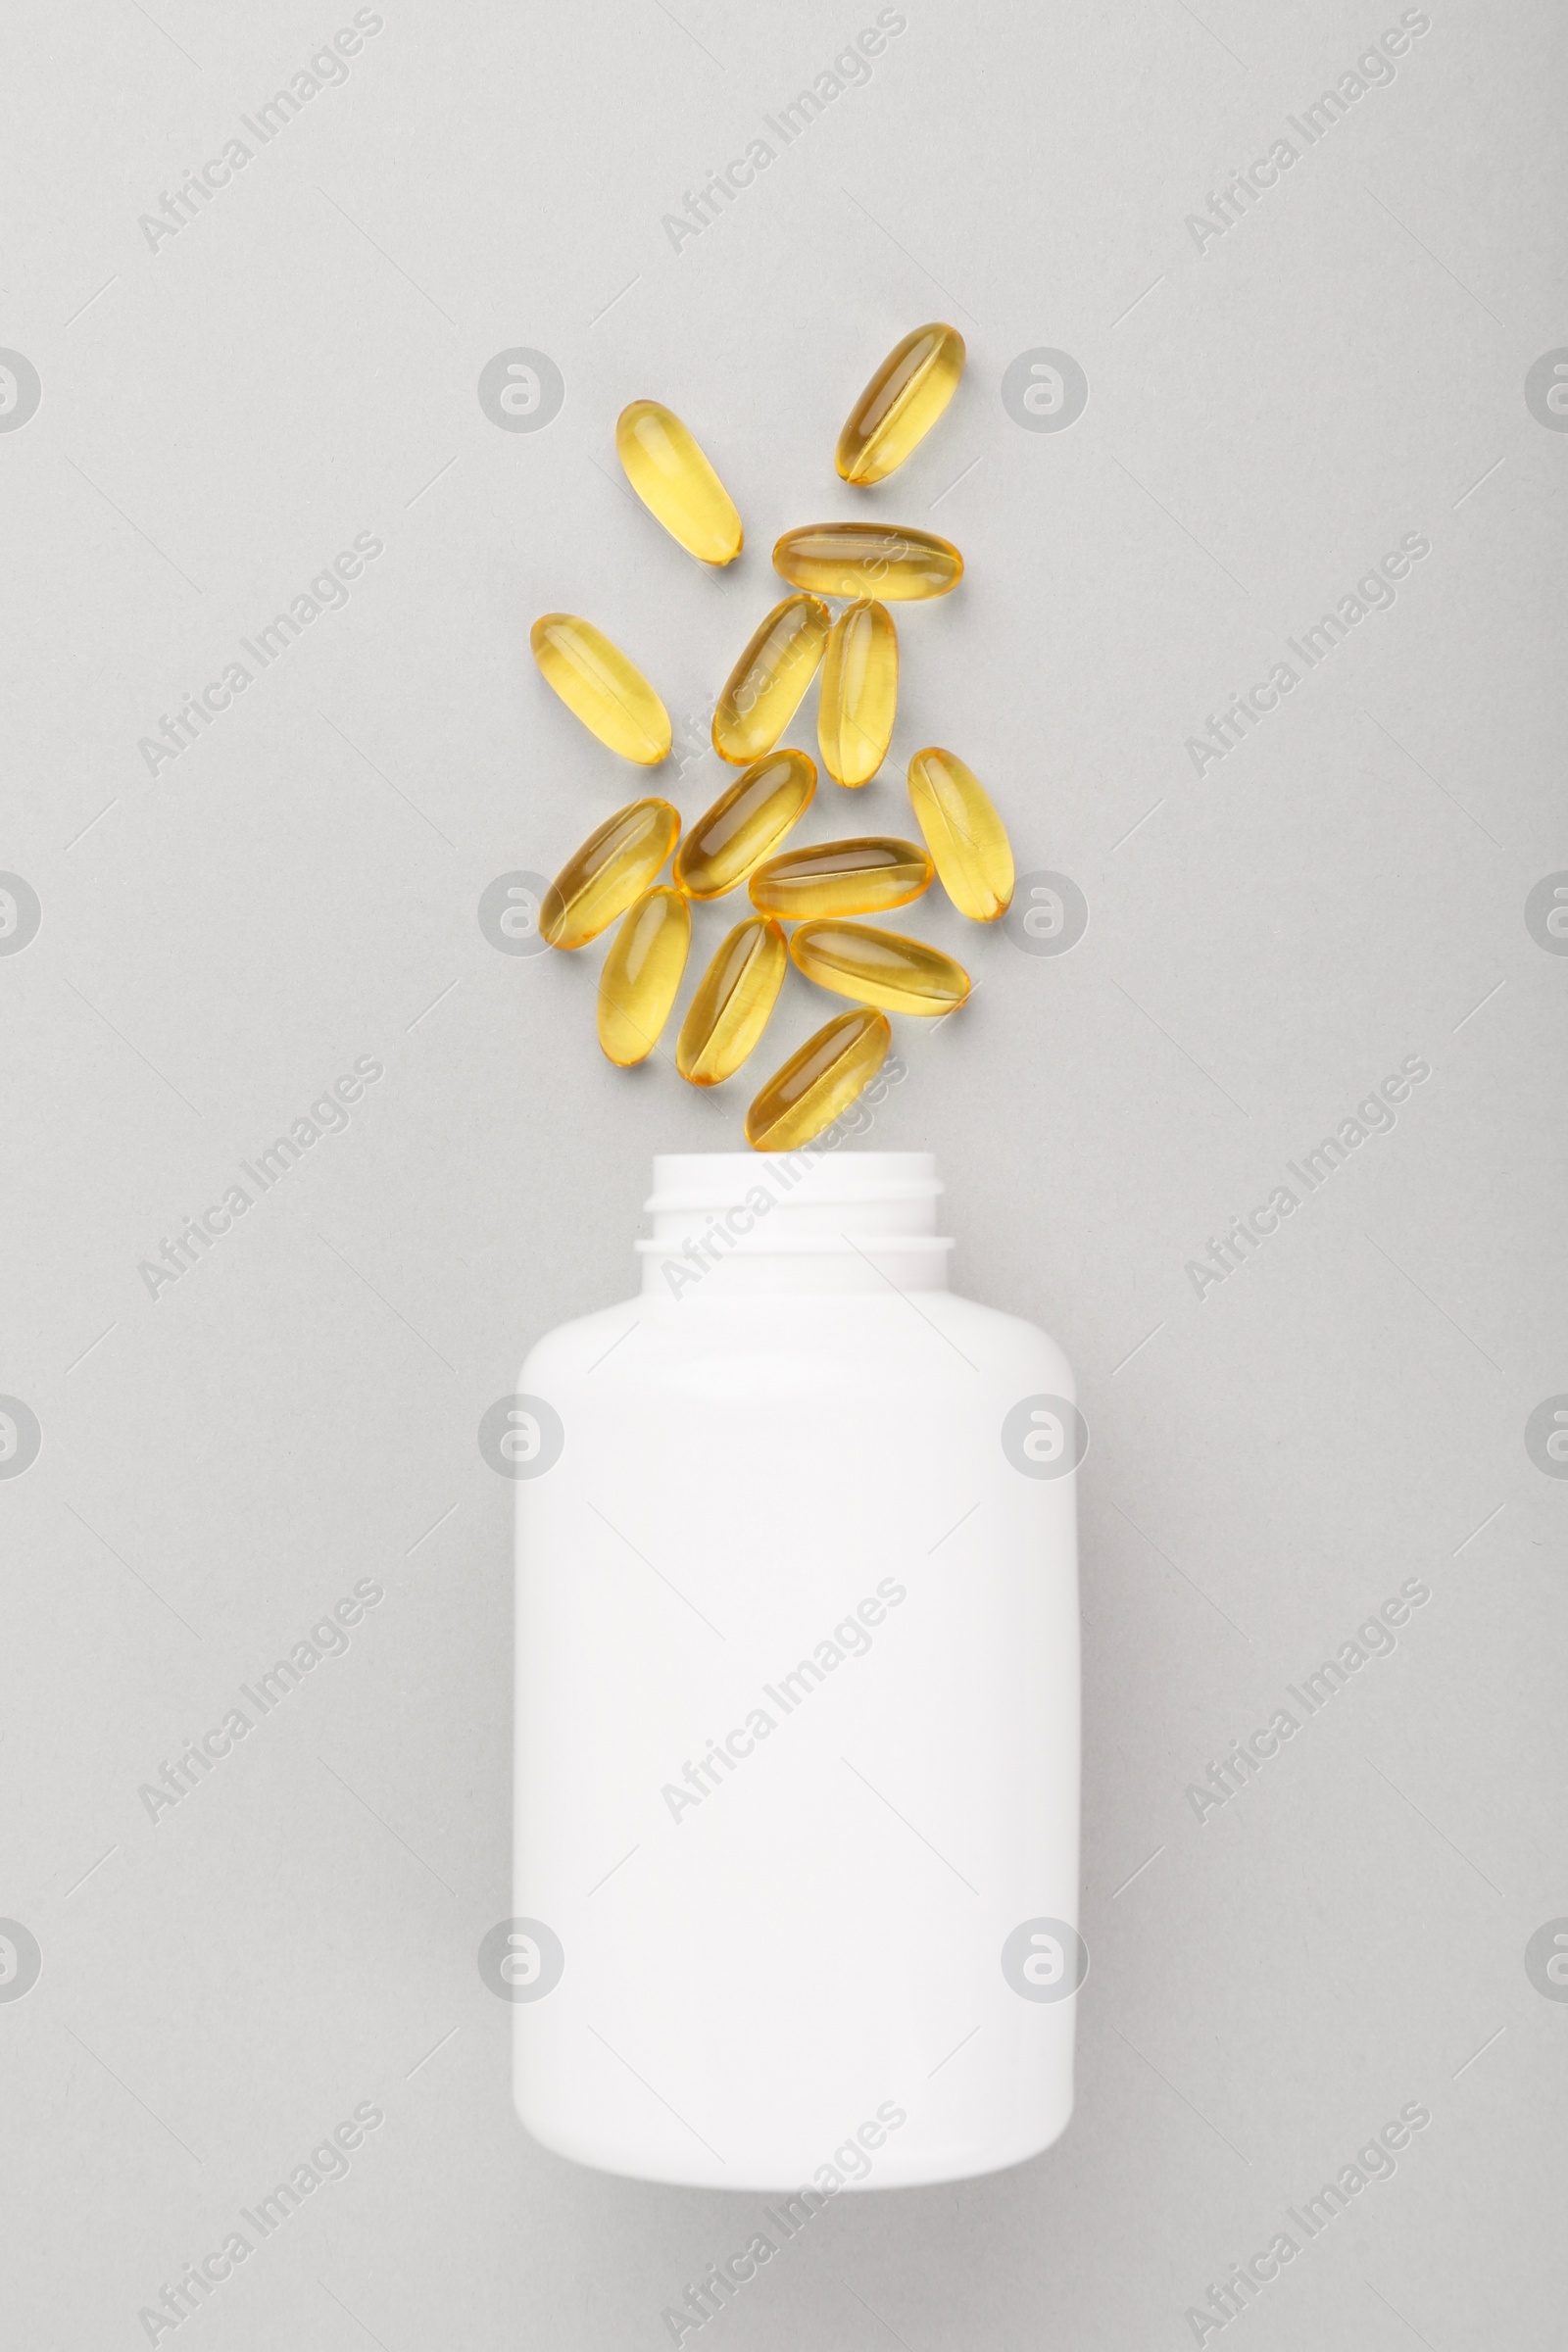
797, 1763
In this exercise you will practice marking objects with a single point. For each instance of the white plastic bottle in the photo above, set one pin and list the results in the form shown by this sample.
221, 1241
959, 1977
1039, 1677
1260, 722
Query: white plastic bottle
797, 1711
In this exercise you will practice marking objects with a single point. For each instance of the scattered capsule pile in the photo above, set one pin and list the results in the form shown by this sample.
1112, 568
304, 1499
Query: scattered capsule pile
823, 887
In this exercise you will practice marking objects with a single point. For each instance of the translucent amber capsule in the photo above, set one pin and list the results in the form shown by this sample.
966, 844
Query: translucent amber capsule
615, 866
900, 404
744, 824
842, 877
734, 999
599, 685
768, 682
966, 838
676, 483
868, 559
819, 1082
879, 967
642, 972
859, 694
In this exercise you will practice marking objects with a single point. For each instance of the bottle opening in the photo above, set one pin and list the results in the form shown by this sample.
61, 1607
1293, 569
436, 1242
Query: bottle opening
687, 1180
857, 1221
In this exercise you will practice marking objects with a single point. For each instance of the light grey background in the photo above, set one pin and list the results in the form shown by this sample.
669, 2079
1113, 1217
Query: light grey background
1267, 415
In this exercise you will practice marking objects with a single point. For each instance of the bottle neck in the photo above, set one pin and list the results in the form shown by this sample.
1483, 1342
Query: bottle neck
729, 1224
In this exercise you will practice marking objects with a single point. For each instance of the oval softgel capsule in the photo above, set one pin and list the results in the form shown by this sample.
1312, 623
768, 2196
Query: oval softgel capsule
641, 976
859, 694
745, 824
966, 838
676, 483
819, 1082
900, 404
601, 687
763, 690
866, 876
734, 1000
868, 559
615, 866
879, 967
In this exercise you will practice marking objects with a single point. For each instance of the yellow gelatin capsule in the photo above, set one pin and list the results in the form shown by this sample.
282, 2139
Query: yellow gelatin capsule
642, 973
768, 682
966, 838
615, 866
868, 559
600, 686
900, 404
859, 694
733, 1001
745, 824
879, 967
676, 483
819, 1082
868, 876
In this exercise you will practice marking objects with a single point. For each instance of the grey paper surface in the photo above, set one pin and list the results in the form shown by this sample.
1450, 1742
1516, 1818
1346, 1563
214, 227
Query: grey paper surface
193, 424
